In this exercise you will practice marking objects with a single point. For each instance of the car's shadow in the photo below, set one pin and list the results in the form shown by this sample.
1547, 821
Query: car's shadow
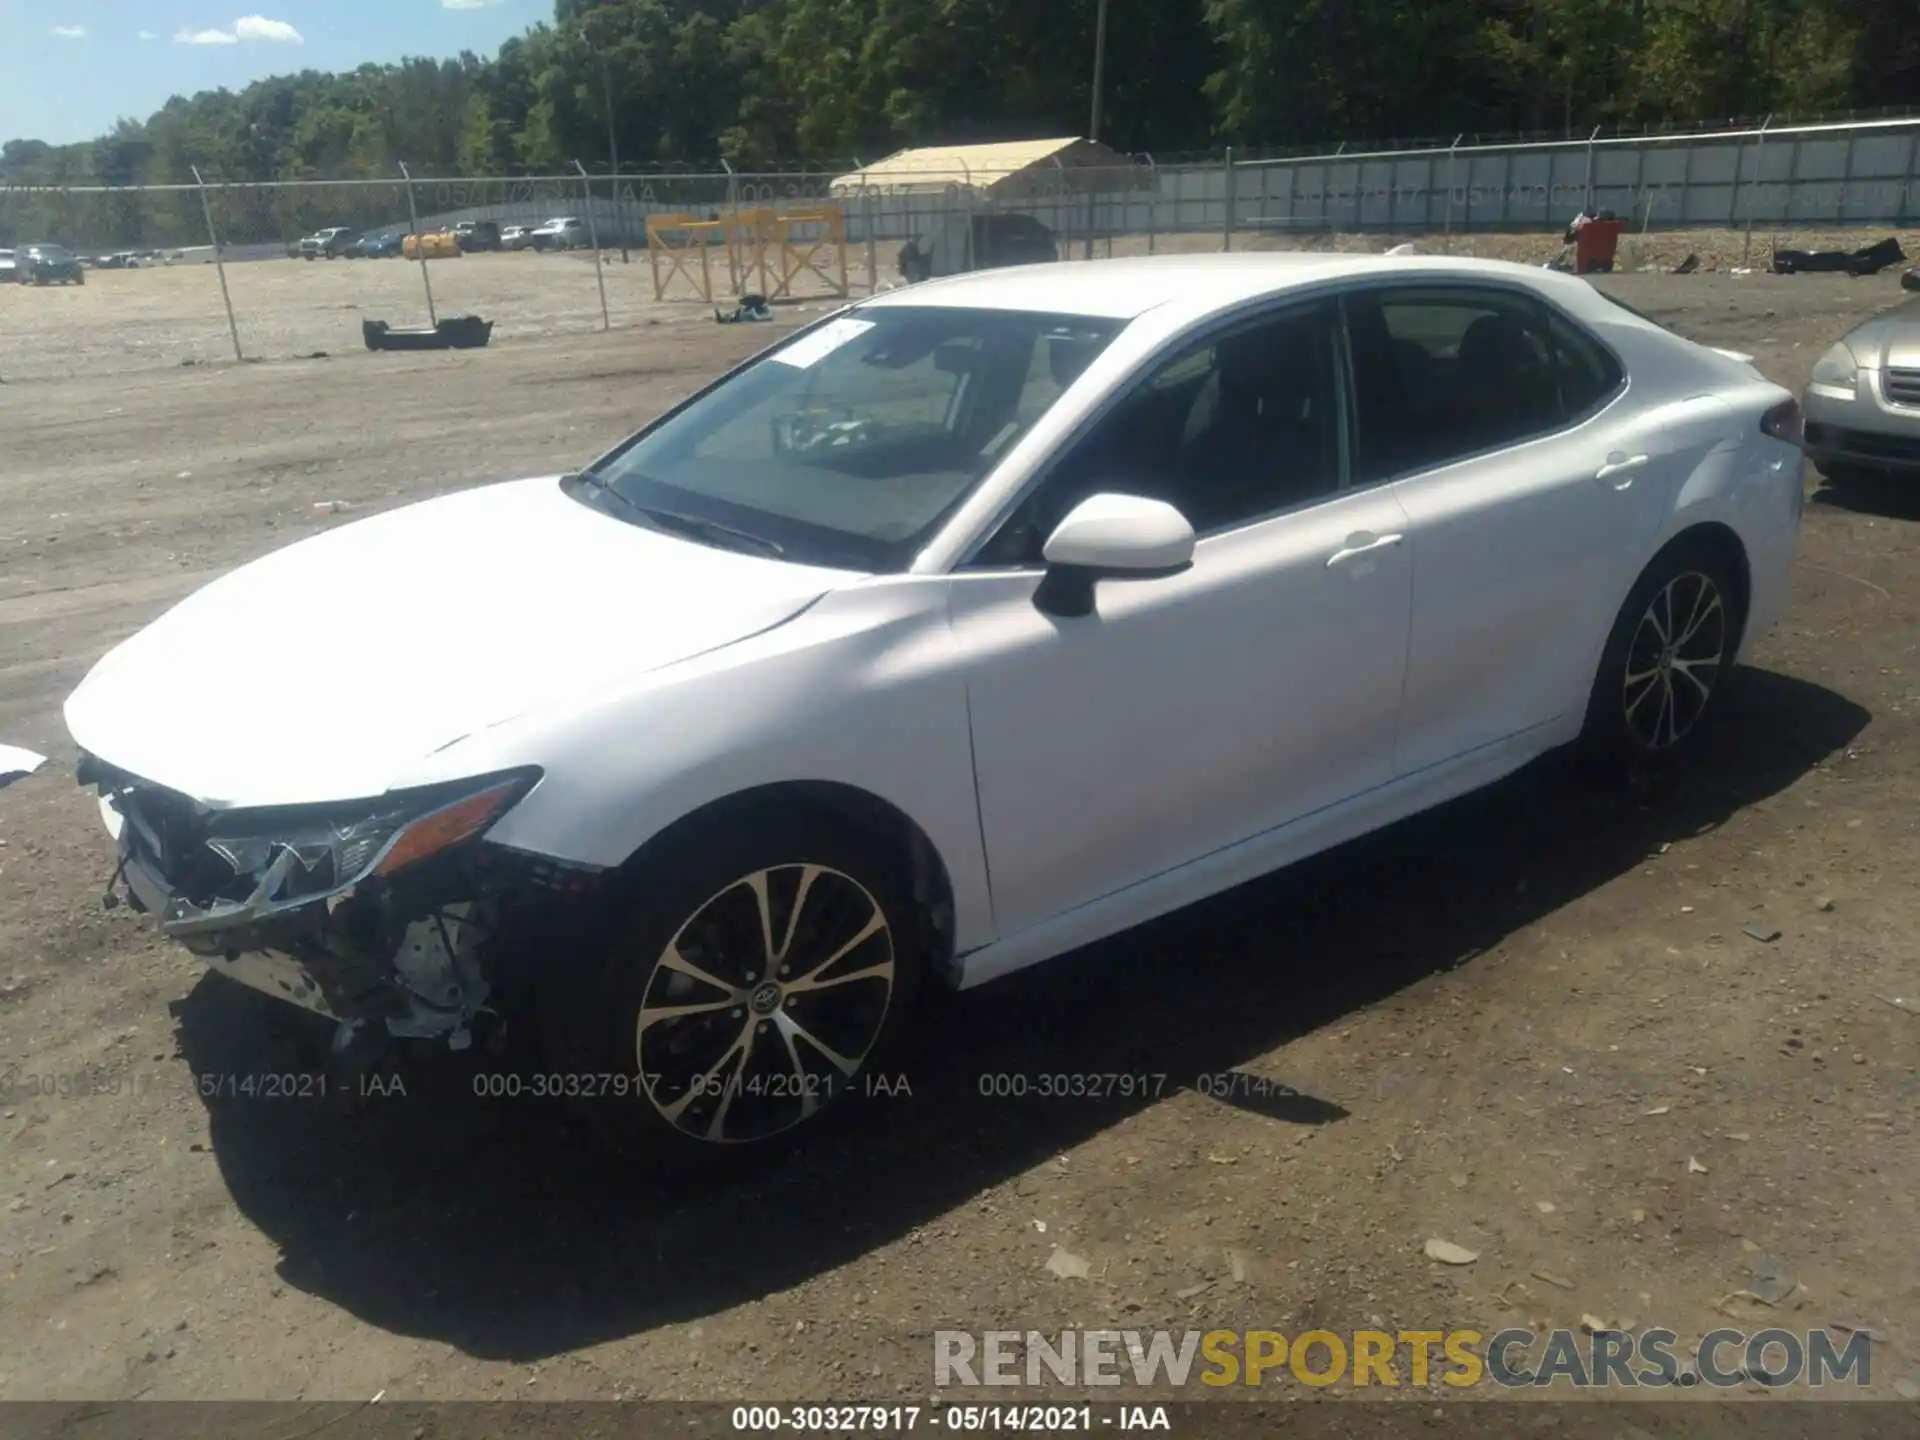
497, 1227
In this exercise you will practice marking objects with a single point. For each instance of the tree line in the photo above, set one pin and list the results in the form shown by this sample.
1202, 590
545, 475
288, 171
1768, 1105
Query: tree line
765, 82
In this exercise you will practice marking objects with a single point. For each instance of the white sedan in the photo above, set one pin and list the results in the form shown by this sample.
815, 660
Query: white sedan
973, 623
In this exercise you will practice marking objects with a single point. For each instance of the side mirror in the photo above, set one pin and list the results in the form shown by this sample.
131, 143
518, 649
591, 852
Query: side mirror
1109, 534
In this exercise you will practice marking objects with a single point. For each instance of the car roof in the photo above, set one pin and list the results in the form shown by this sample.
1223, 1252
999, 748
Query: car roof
1125, 289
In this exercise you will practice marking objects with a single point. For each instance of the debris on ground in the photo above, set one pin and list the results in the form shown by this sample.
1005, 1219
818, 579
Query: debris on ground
1769, 1281
1867, 260
456, 332
1694, 1167
1688, 265
1448, 1253
1761, 931
1067, 1265
1559, 1282
752, 308
331, 507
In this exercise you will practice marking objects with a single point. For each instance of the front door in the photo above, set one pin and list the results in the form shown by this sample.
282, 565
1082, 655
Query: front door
1192, 711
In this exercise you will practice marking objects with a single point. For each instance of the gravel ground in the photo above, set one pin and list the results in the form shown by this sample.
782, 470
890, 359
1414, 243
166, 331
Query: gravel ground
1532, 1023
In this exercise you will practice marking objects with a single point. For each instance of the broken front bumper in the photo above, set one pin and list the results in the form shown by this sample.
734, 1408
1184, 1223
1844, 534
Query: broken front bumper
420, 952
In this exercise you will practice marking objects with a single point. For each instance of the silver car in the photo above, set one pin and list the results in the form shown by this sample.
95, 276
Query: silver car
1863, 403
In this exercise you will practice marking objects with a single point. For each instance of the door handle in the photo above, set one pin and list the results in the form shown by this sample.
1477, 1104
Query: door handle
1619, 469
1361, 543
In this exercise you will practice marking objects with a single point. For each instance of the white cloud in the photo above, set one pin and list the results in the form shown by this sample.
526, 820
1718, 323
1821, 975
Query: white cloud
70, 32
247, 27
258, 27
467, 4
148, 35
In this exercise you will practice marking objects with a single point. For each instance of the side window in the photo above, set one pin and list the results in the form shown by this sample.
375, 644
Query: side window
1442, 374
1239, 426
1587, 374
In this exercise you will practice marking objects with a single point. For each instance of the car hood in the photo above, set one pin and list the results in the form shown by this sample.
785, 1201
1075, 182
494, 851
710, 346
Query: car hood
1891, 338
326, 670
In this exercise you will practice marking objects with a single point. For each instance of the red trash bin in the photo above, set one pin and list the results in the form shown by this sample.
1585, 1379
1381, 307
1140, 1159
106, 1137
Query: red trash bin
1594, 244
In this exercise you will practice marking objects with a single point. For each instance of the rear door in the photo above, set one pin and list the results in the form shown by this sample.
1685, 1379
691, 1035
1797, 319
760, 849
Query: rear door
1531, 484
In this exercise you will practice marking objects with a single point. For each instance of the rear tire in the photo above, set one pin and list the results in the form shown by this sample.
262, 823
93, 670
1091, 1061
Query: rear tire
1666, 663
742, 993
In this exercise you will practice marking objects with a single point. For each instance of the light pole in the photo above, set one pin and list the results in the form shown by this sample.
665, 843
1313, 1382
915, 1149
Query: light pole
1099, 67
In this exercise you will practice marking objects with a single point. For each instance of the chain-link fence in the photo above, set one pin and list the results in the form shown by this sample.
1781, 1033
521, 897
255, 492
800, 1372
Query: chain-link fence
582, 251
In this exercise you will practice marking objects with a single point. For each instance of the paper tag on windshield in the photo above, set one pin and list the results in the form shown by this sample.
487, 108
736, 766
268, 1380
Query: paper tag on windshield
812, 349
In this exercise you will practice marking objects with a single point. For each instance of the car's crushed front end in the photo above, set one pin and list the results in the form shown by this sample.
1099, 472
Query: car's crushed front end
392, 911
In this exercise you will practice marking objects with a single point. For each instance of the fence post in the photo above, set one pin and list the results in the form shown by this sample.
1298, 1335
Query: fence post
1846, 180
1153, 204
1913, 171
1226, 222
1753, 185
1450, 157
593, 239
1587, 208
213, 237
419, 244
736, 266
966, 212
1333, 216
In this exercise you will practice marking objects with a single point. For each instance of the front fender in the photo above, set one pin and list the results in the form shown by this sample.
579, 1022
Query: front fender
862, 690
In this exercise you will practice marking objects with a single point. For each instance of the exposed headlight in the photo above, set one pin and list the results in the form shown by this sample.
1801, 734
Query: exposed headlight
1837, 368
298, 857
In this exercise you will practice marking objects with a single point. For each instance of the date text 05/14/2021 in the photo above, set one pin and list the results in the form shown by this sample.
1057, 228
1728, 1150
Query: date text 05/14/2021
955, 1419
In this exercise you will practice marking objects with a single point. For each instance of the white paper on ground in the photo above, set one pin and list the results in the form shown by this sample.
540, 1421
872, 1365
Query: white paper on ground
812, 349
15, 762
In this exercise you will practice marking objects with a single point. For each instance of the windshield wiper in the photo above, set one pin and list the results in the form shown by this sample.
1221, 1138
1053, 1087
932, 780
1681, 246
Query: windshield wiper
692, 526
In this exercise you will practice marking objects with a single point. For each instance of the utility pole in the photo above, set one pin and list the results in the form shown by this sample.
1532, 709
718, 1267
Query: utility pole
596, 49
613, 154
1099, 67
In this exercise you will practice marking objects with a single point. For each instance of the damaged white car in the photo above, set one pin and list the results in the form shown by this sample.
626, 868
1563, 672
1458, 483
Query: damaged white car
974, 623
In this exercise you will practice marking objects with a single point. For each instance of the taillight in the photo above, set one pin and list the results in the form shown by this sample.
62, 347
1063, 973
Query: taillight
1785, 422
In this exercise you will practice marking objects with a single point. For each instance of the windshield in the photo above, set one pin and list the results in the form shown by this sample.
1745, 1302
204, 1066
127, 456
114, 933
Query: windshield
848, 445
52, 252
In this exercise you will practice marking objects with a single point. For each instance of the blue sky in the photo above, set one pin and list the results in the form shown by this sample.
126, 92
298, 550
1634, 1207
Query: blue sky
70, 68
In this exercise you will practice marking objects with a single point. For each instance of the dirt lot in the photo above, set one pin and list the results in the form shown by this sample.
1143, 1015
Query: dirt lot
1531, 1024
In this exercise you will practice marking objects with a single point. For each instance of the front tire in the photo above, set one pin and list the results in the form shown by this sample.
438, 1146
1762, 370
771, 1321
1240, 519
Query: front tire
1666, 662
746, 989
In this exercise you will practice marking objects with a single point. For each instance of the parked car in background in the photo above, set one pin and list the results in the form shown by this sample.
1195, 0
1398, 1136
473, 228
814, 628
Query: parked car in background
967, 626
1863, 403
566, 232
8, 266
516, 237
477, 235
382, 247
48, 265
328, 244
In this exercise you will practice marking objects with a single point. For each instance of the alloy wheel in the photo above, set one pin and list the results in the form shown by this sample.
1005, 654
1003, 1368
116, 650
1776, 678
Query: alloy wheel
1674, 660
765, 1003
